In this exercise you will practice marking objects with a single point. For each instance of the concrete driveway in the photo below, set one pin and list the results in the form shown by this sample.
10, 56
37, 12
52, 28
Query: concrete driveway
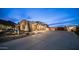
51, 40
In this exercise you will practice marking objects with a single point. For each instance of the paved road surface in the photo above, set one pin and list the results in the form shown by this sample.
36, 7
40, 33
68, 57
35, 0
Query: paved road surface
52, 40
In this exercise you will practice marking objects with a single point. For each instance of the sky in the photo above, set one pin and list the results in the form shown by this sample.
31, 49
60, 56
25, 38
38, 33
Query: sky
51, 16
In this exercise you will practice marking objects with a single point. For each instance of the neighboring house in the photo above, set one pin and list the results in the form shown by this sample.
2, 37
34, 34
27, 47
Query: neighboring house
77, 28
71, 28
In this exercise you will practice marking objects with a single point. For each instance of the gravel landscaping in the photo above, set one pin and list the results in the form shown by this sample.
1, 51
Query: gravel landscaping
5, 38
